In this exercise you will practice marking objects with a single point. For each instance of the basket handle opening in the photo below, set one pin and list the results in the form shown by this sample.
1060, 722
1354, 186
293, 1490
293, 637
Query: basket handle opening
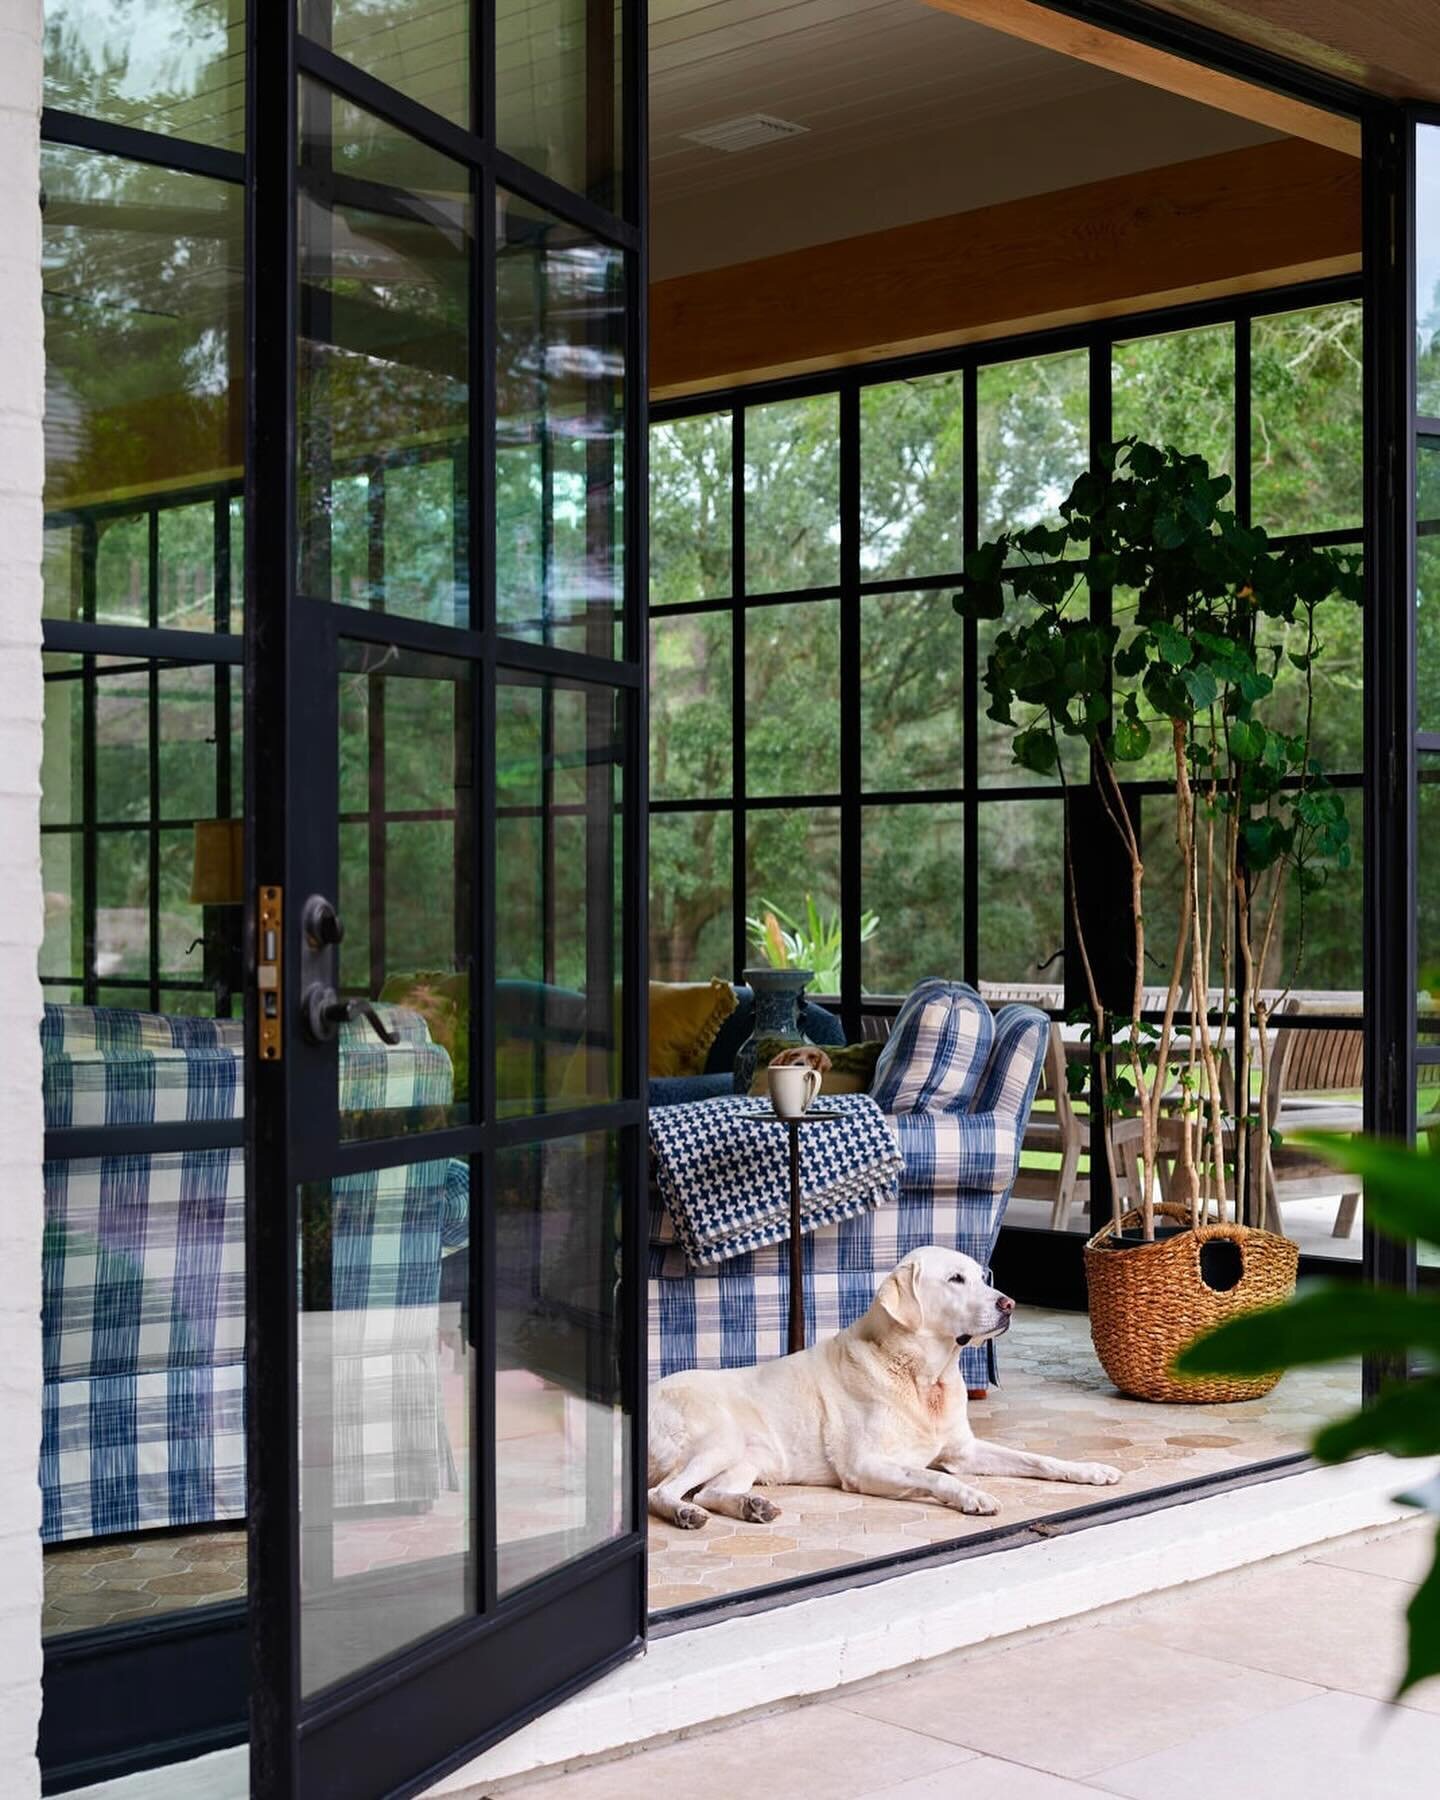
1222, 1264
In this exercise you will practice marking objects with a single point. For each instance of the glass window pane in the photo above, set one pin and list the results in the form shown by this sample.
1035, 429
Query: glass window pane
386, 1381
171, 1230
560, 871
122, 570
62, 869
1033, 430
191, 704
122, 740
1335, 714
1427, 270
405, 769
913, 895
792, 495
562, 1433
792, 698
1021, 890
420, 47
559, 444
994, 746
692, 896
62, 793
176, 68
792, 856
122, 904
558, 91
143, 342
1427, 585
1306, 419
384, 363
912, 711
185, 578
1427, 891
63, 572
691, 481
1179, 389
690, 707
912, 456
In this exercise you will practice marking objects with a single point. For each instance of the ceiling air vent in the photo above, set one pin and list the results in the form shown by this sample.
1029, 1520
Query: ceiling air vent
747, 133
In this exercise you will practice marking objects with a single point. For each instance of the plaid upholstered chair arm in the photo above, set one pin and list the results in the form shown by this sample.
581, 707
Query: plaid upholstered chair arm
1015, 1064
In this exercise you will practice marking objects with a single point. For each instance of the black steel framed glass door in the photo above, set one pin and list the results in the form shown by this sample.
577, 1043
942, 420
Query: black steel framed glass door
446, 699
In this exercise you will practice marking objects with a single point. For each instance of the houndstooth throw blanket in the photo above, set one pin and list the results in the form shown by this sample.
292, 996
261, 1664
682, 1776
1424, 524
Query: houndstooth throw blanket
726, 1184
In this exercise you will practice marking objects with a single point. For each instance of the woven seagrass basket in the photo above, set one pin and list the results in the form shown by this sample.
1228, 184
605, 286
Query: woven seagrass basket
1149, 1300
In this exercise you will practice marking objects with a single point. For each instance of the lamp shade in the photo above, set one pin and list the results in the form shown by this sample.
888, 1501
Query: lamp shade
218, 877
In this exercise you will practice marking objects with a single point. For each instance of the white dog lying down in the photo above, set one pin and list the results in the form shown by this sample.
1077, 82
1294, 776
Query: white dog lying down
878, 1409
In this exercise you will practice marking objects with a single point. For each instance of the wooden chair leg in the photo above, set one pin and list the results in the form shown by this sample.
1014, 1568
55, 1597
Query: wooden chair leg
1345, 1215
1065, 1187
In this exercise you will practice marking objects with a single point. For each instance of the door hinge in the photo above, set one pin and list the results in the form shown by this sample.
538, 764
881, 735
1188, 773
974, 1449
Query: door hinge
270, 941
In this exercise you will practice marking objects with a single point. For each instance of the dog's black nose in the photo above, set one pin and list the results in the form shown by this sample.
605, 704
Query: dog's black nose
1004, 1304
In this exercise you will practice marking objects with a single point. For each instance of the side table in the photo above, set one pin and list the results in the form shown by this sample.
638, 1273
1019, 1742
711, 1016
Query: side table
797, 1260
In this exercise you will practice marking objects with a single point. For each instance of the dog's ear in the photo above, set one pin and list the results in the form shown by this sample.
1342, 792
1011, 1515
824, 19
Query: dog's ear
900, 1296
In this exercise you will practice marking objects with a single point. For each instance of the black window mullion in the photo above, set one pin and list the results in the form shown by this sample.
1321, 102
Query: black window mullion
970, 691
1098, 933
481, 539
152, 757
851, 748
738, 859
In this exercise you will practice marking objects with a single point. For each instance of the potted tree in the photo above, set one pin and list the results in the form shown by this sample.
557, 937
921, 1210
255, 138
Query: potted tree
1206, 613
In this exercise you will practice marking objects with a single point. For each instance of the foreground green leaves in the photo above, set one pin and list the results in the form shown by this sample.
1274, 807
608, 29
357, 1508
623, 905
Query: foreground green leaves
1331, 1322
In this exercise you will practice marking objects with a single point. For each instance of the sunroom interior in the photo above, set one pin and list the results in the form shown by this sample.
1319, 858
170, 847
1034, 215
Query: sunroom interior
910, 274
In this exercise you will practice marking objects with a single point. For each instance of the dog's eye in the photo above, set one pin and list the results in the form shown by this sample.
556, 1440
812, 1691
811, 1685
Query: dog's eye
959, 1278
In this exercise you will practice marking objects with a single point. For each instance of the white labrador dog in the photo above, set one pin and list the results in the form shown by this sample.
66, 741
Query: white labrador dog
878, 1409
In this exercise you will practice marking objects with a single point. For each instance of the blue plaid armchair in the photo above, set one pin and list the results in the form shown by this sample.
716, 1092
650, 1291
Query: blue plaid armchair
957, 1083
144, 1282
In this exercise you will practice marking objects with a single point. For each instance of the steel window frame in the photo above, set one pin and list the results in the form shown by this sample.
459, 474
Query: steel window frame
1098, 340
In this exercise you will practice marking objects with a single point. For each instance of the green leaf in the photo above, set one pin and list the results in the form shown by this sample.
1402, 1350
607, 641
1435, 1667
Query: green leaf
1402, 1188
1173, 645
1035, 750
1131, 740
1322, 1325
1247, 739
1405, 1420
1201, 686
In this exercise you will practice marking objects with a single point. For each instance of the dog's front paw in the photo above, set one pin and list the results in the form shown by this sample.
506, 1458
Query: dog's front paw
690, 1518
758, 1510
1095, 1474
972, 1500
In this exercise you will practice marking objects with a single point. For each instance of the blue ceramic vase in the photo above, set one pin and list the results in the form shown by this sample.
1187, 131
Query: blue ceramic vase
777, 1015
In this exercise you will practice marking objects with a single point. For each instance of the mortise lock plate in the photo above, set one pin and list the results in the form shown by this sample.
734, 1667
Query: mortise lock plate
270, 940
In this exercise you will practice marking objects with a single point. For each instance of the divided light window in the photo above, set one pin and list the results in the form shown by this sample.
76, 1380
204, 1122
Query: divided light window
818, 725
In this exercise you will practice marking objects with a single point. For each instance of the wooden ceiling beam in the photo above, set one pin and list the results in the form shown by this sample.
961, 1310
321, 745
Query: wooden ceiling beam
1234, 223
1087, 43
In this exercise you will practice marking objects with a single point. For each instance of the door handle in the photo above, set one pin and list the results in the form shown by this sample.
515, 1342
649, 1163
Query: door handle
322, 1011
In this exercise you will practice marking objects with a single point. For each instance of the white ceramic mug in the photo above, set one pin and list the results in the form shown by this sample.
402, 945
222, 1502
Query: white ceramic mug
793, 1088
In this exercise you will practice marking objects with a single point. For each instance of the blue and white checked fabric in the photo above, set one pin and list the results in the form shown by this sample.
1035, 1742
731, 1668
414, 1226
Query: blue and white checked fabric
144, 1285
958, 1084
725, 1183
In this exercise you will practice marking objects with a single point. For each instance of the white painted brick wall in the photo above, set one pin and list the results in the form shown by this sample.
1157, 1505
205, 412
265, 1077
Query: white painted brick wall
22, 389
